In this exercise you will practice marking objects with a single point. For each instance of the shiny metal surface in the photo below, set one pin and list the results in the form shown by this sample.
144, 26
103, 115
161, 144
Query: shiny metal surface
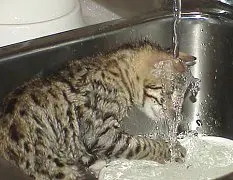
206, 33
211, 41
209, 37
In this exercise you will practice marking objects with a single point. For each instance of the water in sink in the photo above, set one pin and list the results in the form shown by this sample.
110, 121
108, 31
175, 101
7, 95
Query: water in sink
207, 158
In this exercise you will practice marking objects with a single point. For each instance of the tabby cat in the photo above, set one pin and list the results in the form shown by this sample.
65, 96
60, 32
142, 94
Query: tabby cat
56, 127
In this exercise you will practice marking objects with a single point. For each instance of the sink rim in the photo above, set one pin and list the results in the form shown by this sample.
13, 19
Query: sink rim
92, 31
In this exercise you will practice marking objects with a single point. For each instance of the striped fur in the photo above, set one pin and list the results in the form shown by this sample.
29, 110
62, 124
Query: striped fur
56, 127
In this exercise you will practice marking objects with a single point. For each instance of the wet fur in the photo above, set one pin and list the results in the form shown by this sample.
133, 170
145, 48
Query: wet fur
56, 127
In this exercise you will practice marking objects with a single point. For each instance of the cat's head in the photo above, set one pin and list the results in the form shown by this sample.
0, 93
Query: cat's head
156, 78
166, 85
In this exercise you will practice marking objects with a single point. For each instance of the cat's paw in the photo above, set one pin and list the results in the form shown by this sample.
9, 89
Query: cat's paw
173, 152
178, 153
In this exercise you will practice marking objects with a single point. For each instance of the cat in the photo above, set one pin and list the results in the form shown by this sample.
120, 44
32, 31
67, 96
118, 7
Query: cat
56, 127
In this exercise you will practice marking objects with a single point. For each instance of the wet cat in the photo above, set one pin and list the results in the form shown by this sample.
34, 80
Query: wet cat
56, 127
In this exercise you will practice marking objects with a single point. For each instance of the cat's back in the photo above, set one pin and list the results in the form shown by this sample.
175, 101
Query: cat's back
41, 119
41, 111
39, 123
46, 105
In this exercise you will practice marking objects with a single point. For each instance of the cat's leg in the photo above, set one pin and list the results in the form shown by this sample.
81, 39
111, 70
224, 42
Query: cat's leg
97, 167
84, 173
112, 143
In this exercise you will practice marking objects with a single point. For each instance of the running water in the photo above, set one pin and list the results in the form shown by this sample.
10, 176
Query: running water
171, 114
177, 19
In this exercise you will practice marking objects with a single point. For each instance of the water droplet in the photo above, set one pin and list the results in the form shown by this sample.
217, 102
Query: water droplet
199, 123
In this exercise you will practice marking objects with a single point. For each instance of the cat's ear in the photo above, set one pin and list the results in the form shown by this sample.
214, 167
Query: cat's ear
184, 60
188, 59
164, 56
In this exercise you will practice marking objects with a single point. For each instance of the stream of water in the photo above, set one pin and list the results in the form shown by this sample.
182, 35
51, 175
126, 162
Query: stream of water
177, 19
171, 114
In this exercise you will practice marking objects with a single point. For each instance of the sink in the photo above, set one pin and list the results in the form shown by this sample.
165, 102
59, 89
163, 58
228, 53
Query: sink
209, 37
206, 33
